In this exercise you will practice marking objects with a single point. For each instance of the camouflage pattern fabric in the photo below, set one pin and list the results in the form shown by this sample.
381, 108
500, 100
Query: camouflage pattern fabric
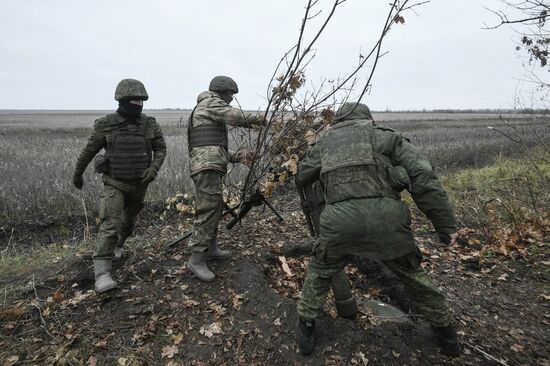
427, 298
119, 206
120, 202
208, 209
212, 109
364, 215
103, 128
130, 88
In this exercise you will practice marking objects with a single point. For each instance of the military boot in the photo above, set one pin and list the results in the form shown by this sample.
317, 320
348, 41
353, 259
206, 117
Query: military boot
447, 340
305, 333
347, 309
197, 265
103, 279
215, 253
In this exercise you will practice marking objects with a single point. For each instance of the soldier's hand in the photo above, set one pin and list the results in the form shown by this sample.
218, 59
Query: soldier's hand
244, 157
448, 239
148, 175
256, 122
78, 181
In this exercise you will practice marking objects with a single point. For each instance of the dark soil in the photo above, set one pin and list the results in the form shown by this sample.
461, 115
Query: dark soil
161, 314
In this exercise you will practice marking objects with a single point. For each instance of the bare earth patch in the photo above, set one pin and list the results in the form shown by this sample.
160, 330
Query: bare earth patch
162, 315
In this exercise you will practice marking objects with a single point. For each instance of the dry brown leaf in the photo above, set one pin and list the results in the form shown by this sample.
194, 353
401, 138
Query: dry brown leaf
169, 351
11, 360
517, 348
92, 361
310, 137
237, 301
177, 338
211, 329
291, 165
285, 266
58, 296
10, 314
122, 361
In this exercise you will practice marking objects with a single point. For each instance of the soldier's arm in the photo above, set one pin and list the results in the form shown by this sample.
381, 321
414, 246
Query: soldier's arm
309, 169
222, 112
158, 145
95, 143
426, 190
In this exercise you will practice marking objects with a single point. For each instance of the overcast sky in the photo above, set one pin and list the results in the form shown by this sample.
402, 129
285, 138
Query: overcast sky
66, 54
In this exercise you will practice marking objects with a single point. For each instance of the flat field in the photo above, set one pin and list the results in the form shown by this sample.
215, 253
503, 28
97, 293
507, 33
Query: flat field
496, 277
38, 150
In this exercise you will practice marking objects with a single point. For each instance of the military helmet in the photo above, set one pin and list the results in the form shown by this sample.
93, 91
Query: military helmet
348, 111
130, 88
223, 84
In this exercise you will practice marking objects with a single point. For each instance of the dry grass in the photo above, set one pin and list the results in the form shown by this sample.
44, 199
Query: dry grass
38, 152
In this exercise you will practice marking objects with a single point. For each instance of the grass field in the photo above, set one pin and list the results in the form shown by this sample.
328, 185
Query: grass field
38, 150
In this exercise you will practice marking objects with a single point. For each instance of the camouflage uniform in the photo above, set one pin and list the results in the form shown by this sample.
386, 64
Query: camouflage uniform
363, 168
208, 165
135, 150
120, 201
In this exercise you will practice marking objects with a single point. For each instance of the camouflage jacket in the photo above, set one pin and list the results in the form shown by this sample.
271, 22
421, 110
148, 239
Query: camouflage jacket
98, 141
211, 109
364, 215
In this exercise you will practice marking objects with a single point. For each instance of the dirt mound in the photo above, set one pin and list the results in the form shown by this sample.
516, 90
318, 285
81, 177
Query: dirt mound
161, 314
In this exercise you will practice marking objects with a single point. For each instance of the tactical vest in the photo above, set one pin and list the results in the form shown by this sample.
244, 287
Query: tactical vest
214, 134
128, 149
349, 168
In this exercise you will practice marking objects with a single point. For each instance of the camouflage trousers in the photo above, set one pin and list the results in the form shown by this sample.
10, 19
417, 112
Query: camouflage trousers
427, 298
208, 209
118, 211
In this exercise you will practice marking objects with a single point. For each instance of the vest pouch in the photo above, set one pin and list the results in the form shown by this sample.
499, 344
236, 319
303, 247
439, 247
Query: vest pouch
351, 183
128, 158
398, 178
101, 164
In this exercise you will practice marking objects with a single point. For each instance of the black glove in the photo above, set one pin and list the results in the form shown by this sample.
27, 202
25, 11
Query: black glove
78, 181
148, 175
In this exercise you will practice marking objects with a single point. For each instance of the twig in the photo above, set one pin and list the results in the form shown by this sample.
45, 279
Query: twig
37, 306
486, 354
9, 240
87, 229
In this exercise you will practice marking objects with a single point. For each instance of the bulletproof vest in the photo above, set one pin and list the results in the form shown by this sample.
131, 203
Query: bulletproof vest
128, 149
349, 169
214, 134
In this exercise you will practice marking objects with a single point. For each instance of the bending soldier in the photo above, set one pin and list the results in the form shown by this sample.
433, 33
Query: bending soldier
209, 156
135, 150
363, 168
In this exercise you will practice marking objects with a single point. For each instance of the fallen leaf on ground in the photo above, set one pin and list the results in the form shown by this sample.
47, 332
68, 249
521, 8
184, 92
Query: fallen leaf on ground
517, 348
285, 266
169, 351
177, 338
211, 329
10, 361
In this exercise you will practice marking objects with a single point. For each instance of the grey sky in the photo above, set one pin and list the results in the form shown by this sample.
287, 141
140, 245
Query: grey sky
66, 54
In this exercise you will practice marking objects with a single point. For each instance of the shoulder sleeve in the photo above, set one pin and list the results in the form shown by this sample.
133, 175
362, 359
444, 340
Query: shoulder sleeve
158, 144
309, 169
222, 112
95, 143
425, 188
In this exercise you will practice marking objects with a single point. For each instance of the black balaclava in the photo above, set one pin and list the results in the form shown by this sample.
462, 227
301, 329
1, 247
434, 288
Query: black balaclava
129, 110
227, 97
